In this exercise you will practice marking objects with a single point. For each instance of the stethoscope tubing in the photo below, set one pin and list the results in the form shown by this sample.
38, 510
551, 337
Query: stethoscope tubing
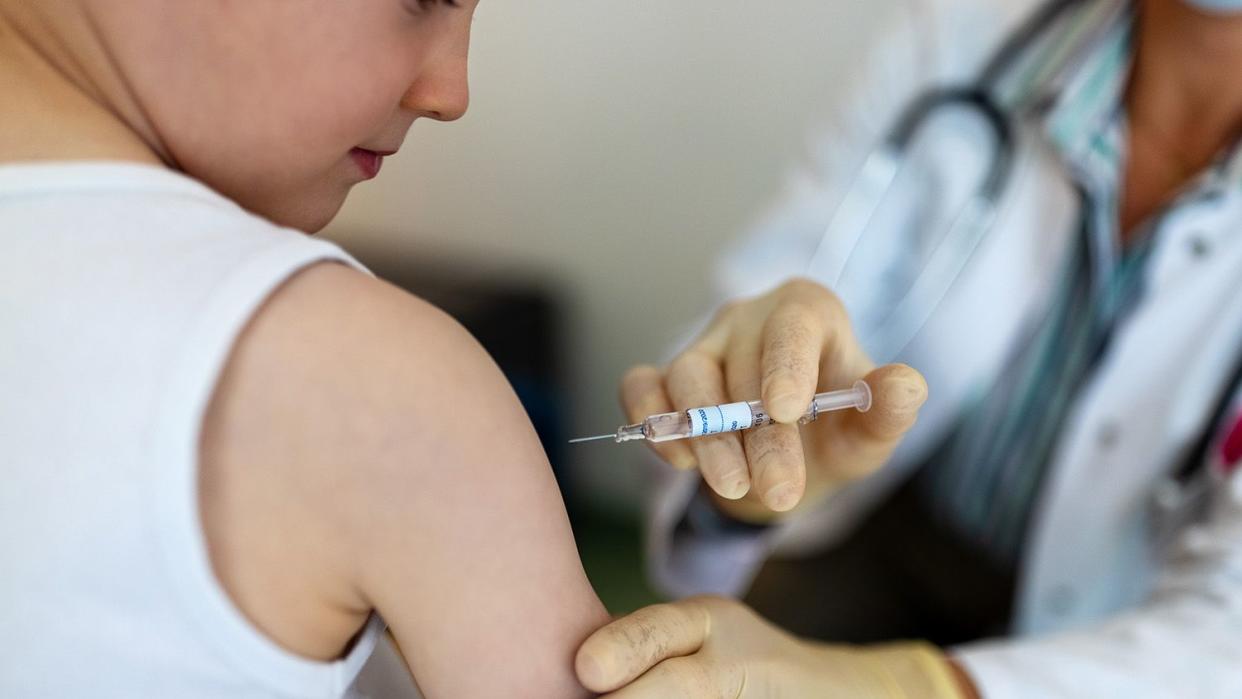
875, 179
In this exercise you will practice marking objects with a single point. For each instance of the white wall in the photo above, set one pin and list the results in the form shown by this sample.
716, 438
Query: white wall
610, 147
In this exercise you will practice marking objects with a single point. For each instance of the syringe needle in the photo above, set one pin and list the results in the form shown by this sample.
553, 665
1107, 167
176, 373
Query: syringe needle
592, 439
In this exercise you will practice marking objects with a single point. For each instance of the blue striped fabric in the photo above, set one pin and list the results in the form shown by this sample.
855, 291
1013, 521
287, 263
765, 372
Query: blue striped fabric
984, 479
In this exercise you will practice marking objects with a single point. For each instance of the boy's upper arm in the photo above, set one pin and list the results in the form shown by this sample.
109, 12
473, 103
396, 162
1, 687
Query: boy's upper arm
443, 514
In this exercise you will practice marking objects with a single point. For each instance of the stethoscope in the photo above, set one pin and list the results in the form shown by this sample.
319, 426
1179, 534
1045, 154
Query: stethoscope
1189, 484
969, 225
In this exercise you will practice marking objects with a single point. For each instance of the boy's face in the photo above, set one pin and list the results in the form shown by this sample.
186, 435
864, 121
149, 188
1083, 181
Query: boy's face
283, 105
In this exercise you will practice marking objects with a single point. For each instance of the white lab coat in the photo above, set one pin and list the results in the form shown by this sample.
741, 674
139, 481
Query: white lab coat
1128, 587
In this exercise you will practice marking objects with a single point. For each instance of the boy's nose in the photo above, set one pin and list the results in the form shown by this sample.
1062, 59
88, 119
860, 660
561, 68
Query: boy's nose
441, 93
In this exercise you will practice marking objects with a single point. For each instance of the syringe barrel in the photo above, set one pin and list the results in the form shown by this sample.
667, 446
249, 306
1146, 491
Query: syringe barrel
732, 417
666, 427
707, 420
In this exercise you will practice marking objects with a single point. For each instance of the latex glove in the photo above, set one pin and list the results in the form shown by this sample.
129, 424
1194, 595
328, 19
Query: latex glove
782, 347
711, 647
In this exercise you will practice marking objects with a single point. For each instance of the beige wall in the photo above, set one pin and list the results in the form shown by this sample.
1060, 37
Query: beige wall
610, 147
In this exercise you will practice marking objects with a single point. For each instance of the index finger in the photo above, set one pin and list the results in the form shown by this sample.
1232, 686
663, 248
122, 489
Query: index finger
793, 340
615, 655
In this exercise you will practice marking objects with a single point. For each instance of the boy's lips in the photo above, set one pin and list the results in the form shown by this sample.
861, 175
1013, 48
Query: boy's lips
369, 161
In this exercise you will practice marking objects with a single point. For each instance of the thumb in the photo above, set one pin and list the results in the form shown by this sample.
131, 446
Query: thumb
863, 441
897, 393
615, 655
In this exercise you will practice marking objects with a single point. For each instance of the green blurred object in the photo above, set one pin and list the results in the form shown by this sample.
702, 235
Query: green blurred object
612, 553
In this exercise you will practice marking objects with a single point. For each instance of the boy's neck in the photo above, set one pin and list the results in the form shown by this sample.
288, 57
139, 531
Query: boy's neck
56, 104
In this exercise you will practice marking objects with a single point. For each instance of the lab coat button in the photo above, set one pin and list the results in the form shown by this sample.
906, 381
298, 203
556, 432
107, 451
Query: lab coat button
1060, 600
1108, 435
1199, 246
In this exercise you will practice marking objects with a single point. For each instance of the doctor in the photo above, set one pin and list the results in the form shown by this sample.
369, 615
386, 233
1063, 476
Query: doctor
1069, 488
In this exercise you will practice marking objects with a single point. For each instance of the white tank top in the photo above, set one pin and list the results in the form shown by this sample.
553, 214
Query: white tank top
122, 290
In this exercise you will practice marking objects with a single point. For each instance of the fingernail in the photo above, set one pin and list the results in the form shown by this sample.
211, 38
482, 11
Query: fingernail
734, 485
905, 388
780, 497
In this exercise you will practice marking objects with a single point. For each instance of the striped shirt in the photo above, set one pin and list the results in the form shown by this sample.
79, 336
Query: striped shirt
984, 479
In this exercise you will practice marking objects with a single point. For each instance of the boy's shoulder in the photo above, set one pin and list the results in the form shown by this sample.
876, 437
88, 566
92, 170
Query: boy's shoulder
334, 348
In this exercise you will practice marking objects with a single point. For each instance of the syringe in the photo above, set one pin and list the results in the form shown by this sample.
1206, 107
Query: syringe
731, 417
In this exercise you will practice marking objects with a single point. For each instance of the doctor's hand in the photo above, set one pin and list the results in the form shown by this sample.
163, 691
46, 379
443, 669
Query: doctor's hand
713, 647
783, 347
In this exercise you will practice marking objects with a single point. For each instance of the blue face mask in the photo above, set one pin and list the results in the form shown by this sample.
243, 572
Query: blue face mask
1216, 6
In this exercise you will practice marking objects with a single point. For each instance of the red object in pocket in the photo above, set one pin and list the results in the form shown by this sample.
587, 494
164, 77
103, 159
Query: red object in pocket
1231, 448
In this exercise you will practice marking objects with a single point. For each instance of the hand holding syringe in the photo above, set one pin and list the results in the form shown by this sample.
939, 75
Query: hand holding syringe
731, 417
782, 348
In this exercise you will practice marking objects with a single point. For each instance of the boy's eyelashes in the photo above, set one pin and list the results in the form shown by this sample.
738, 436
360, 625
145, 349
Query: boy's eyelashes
424, 5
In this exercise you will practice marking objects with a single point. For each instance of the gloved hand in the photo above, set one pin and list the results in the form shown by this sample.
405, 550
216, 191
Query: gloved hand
711, 647
782, 347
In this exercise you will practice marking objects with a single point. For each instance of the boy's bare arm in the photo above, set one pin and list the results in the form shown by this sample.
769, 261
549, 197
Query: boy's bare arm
364, 452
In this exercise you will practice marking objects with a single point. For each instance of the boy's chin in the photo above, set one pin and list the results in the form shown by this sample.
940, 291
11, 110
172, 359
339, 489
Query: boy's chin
309, 214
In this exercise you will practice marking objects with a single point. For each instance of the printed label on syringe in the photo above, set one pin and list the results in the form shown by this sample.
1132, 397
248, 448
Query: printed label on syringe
715, 419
